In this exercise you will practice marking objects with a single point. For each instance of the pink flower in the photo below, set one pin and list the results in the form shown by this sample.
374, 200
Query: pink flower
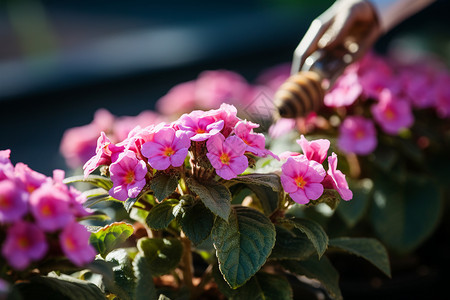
6, 167
168, 148
31, 179
4, 156
286, 154
281, 127
374, 74
50, 207
78, 143
227, 155
24, 243
13, 201
228, 114
179, 99
74, 241
301, 178
128, 176
391, 113
418, 82
357, 135
106, 153
345, 91
256, 142
314, 150
219, 86
125, 124
199, 125
336, 179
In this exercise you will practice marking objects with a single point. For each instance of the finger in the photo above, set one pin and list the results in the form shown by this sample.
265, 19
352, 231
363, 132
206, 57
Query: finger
367, 42
308, 44
338, 31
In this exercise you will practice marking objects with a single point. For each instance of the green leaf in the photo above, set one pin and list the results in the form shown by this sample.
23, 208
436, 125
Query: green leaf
162, 214
128, 204
242, 244
314, 232
215, 196
196, 221
145, 288
321, 270
367, 248
123, 284
61, 287
404, 215
162, 254
265, 286
163, 185
95, 196
97, 180
291, 245
109, 237
268, 198
354, 210
269, 180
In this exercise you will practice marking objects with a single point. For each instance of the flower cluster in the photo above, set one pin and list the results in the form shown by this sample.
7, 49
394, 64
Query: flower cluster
37, 211
304, 177
391, 91
216, 138
209, 90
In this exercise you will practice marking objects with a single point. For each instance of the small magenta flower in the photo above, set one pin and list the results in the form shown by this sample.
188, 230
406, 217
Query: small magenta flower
13, 201
106, 153
31, 179
227, 155
4, 156
314, 150
25, 242
256, 142
179, 99
50, 207
281, 127
6, 167
128, 176
199, 125
345, 91
301, 178
357, 135
336, 179
168, 148
391, 113
74, 241
228, 114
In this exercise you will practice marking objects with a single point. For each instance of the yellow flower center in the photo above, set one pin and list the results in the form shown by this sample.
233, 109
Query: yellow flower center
389, 114
169, 151
70, 244
200, 130
5, 202
46, 210
359, 134
300, 182
129, 177
225, 158
23, 243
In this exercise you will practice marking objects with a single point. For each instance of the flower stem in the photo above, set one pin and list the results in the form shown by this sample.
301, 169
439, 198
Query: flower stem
188, 267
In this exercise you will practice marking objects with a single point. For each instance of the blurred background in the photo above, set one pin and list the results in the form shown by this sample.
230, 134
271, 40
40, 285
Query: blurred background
60, 61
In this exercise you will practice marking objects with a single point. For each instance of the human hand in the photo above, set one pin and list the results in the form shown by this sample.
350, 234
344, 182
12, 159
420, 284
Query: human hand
348, 26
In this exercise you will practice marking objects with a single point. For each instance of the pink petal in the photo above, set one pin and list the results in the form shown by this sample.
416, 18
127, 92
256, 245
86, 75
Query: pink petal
177, 159
239, 164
